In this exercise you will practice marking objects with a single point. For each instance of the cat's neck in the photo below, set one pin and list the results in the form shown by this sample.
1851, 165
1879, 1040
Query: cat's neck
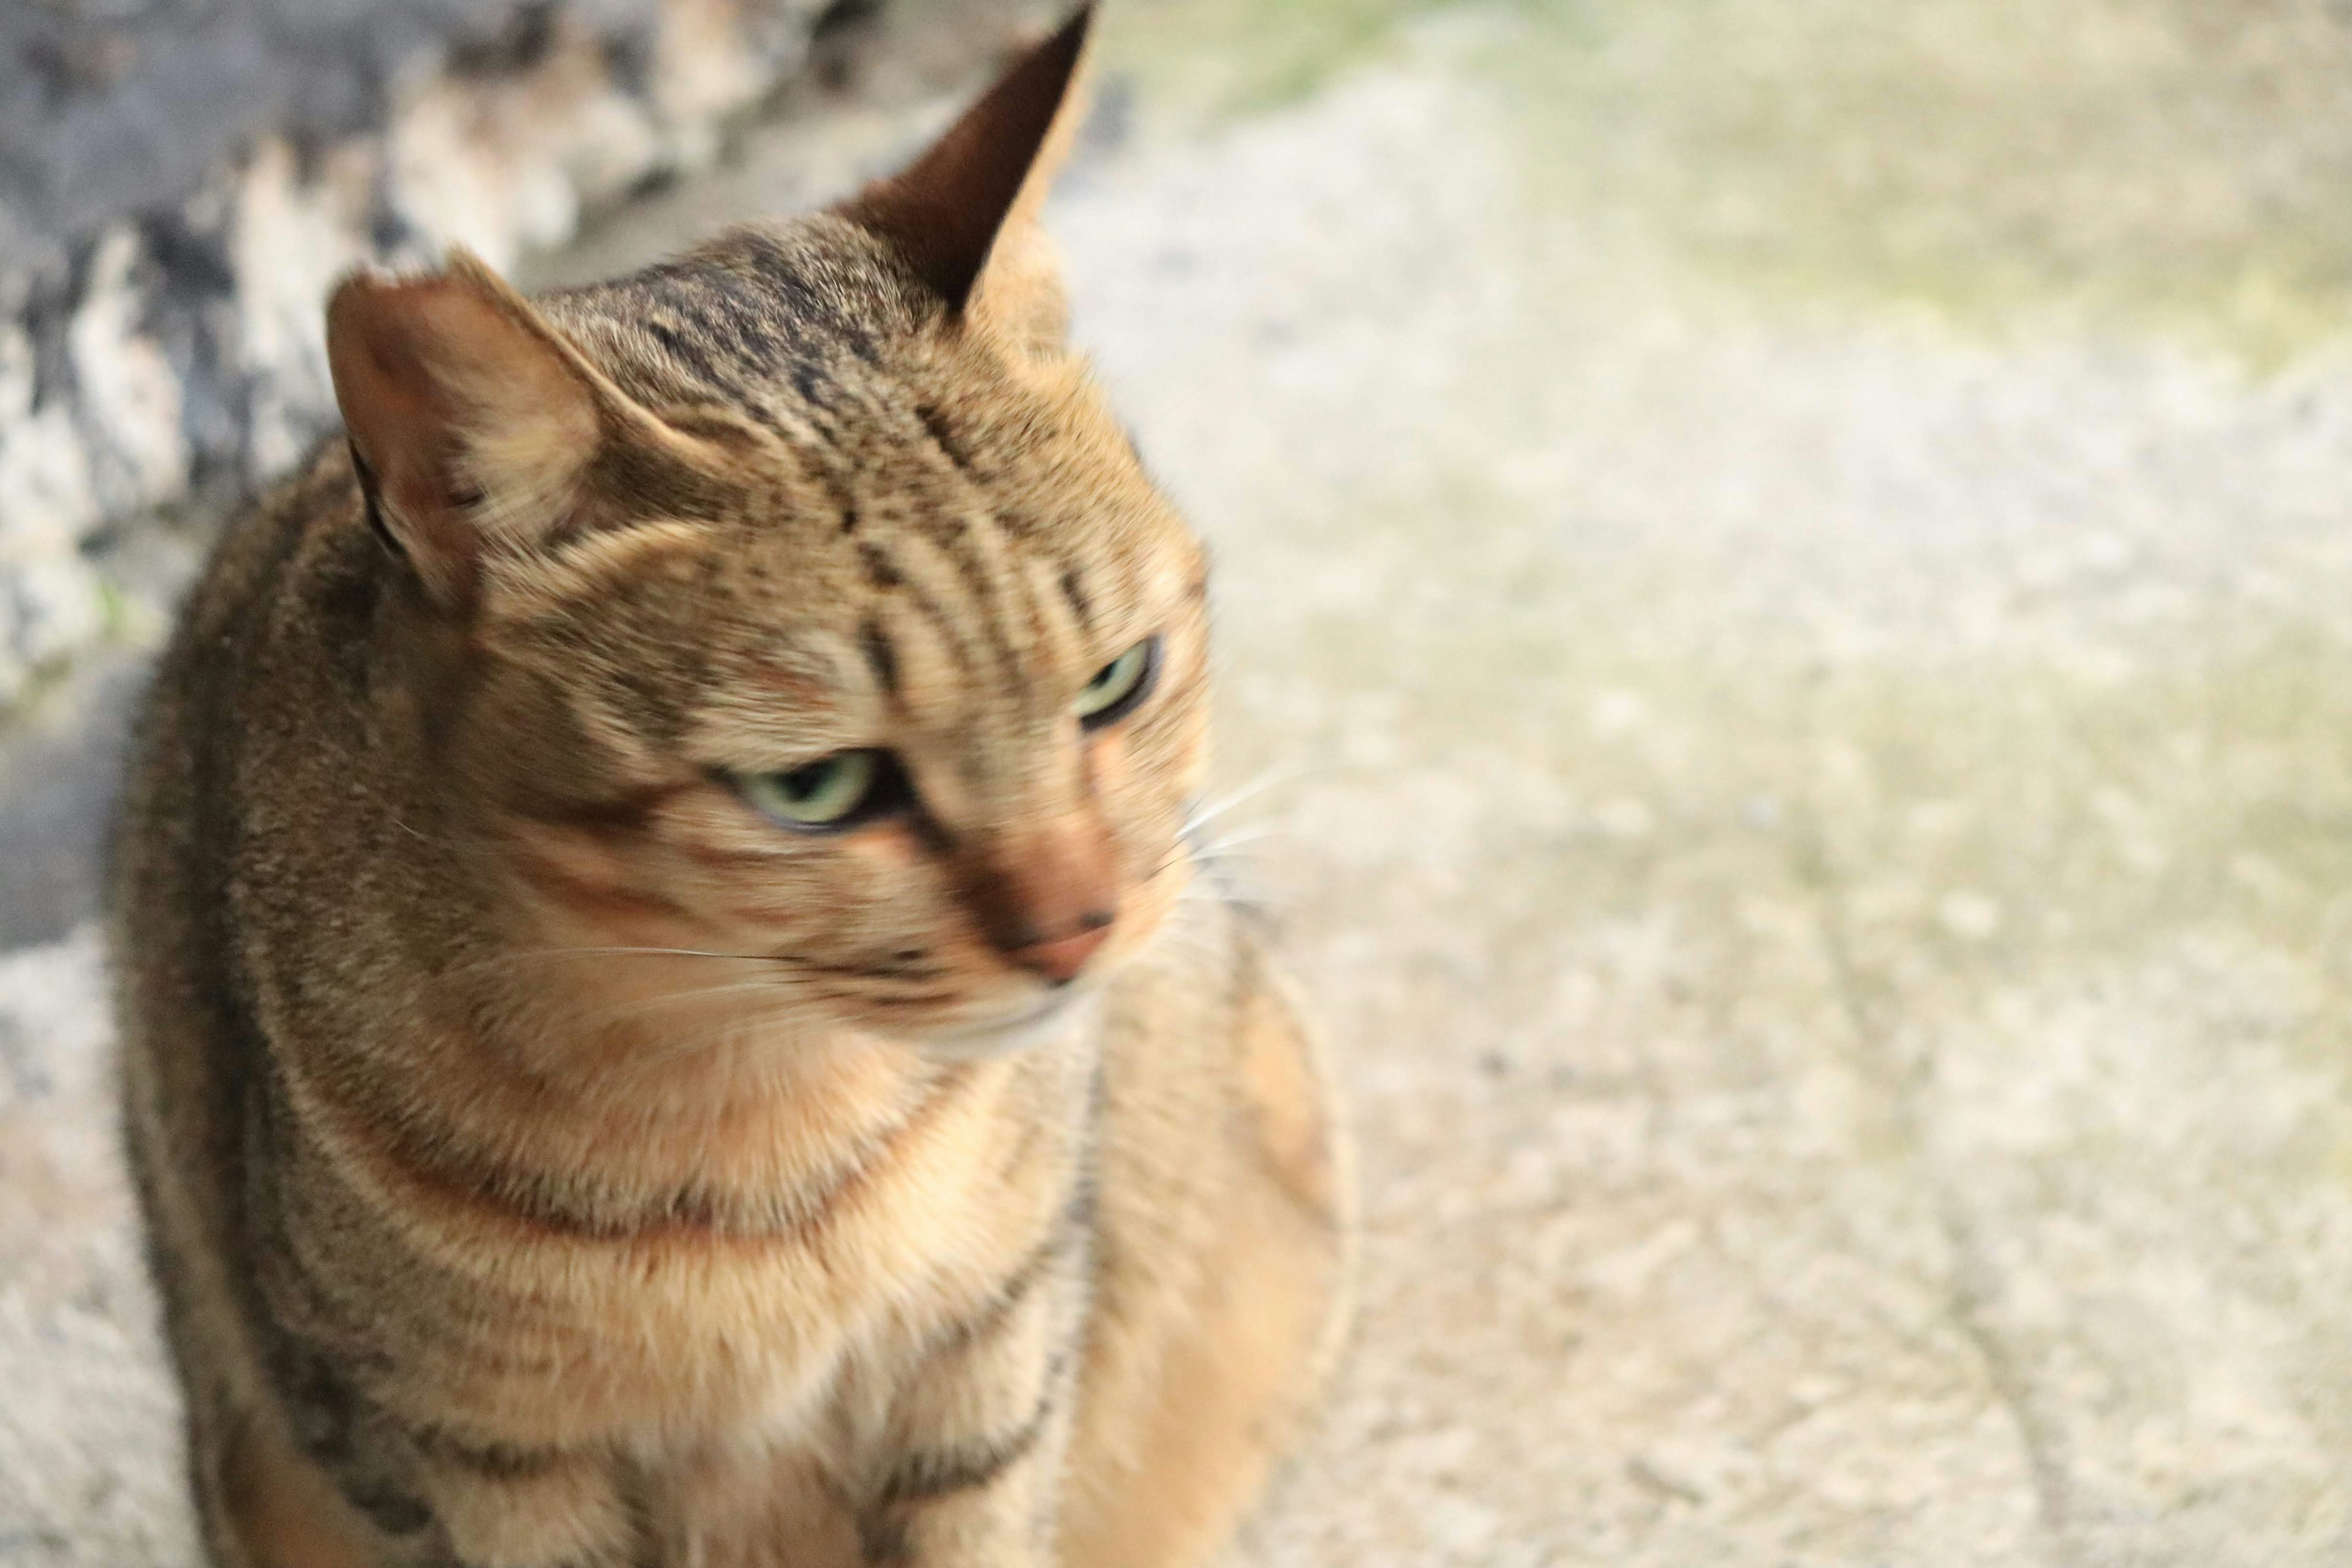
518, 1095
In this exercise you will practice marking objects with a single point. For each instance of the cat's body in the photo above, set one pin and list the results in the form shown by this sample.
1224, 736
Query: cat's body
551, 1159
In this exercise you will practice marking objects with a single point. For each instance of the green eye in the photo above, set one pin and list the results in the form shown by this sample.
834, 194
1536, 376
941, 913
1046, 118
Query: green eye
822, 795
1120, 685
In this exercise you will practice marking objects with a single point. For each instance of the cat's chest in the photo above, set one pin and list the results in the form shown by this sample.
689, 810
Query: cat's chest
689, 1326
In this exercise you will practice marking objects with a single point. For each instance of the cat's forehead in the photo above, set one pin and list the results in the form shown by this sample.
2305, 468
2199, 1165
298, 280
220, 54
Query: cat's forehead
761, 316
866, 438
914, 545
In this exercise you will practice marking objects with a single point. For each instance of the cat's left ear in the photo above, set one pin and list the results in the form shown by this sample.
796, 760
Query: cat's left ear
965, 213
473, 422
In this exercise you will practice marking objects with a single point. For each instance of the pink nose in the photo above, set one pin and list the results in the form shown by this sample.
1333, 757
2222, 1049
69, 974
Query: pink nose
1060, 958
1046, 895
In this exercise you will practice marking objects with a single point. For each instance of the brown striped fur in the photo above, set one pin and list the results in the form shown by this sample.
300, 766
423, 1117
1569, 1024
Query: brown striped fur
549, 1158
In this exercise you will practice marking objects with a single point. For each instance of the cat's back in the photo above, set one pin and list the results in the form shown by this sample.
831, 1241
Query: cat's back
246, 605
176, 828
189, 1044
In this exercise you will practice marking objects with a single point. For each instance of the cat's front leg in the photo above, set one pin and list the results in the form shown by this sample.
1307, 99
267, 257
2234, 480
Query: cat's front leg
369, 1493
970, 1468
989, 1503
498, 1508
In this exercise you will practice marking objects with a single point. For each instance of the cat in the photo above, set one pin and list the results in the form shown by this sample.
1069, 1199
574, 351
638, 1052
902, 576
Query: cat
671, 1013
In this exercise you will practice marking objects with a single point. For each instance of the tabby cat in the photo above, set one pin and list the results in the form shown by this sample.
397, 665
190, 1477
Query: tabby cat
672, 1013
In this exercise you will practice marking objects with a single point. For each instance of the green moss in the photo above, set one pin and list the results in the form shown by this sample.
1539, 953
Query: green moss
2124, 166
1231, 57
114, 610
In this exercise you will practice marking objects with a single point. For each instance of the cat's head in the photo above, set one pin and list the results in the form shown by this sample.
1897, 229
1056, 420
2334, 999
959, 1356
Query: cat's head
801, 598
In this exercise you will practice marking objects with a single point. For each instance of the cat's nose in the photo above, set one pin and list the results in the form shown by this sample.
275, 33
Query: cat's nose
1060, 960
1047, 897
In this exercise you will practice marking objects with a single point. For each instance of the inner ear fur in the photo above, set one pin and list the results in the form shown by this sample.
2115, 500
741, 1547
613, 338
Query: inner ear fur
964, 215
473, 422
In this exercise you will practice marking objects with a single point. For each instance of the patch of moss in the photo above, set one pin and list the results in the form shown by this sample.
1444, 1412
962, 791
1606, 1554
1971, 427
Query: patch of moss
2127, 165
2124, 166
1235, 56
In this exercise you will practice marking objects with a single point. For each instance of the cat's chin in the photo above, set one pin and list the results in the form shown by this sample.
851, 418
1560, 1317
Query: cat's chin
1042, 1020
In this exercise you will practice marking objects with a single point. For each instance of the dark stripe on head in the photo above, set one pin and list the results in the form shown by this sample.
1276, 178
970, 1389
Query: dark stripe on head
804, 299
881, 572
686, 348
883, 576
880, 656
1073, 590
954, 534
809, 381
845, 500
945, 437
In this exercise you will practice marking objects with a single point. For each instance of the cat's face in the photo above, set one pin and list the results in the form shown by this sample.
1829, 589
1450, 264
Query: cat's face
800, 603
907, 704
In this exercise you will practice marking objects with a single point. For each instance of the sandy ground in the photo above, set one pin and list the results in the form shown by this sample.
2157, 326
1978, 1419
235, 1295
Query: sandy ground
1782, 598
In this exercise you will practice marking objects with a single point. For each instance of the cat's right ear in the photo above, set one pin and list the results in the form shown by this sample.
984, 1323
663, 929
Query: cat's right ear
964, 215
472, 422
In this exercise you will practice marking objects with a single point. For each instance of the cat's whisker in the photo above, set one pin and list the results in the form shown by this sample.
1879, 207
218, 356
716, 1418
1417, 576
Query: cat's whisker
639, 1006
1245, 892
1230, 885
1226, 842
1209, 811
1196, 934
738, 1031
1222, 889
734, 1035
549, 954
1227, 866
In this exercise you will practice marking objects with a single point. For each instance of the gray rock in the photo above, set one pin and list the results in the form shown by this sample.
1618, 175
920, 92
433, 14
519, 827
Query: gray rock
56, 782
180, 181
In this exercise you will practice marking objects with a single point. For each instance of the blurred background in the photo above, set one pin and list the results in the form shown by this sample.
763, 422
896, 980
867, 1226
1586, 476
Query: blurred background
1784, 602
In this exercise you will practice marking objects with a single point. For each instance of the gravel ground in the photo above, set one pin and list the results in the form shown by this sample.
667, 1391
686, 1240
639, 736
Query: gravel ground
1796, 686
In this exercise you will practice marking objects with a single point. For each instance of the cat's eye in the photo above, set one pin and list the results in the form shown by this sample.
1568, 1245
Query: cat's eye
1119, 686
831, 791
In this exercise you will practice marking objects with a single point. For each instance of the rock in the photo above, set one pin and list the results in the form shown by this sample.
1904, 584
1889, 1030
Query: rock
90, 1427
180, 181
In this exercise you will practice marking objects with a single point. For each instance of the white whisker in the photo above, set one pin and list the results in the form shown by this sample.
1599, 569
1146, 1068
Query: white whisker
643, 1004
543, 954
1209, 811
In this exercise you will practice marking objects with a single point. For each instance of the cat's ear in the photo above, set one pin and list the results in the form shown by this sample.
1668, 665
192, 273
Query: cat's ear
472, 421
965, 213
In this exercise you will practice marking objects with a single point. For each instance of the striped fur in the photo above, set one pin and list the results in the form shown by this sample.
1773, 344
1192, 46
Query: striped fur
549, 1160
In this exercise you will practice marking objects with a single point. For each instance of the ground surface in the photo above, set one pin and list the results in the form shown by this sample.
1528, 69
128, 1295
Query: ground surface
1787, 582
